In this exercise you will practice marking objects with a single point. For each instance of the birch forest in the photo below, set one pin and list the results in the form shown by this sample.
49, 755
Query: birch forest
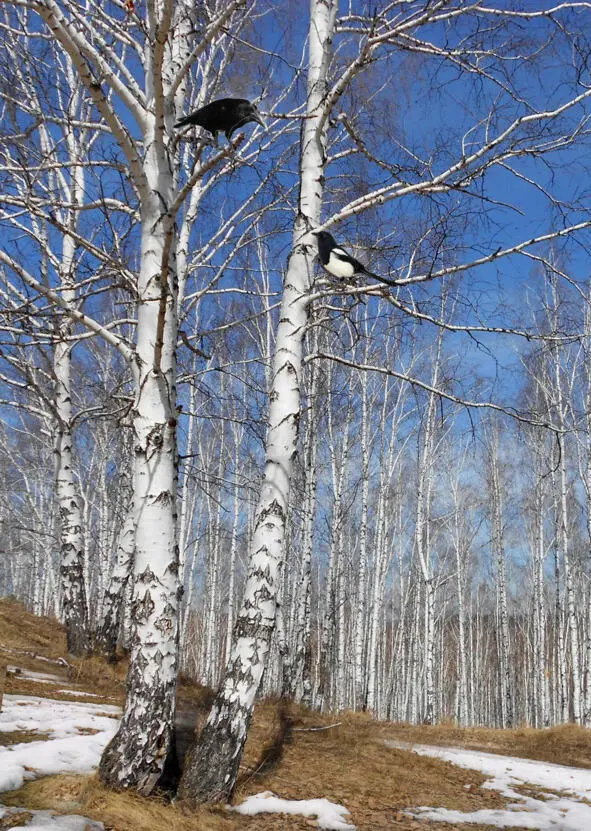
224, 461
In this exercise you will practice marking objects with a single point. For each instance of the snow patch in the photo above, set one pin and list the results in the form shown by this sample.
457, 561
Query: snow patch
565, 811
328, 814
48, 819
66, 750
30, 675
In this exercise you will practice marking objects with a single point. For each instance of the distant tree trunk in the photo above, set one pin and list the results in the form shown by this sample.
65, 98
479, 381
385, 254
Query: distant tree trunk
330, 666
233, 547
211, 643
585, 467
381, 561
212, 766
561, 696
541, 709
360, 618
460, 554
298, 681
503, 614
109, 631
422, 545
74, 605
587, 711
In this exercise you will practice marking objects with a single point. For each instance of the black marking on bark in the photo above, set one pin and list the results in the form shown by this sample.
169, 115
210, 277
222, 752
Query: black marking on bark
146, 576
163, 498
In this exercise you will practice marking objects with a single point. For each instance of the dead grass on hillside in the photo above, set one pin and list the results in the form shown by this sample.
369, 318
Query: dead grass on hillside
118, 810
347, 763
567, 744
21, 737
97, 675
23, 632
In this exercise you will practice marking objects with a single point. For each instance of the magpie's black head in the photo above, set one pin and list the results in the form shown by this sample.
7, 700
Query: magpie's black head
325, 239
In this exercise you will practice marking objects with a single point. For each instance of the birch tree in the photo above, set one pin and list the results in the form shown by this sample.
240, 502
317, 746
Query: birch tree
498, 547
162, 45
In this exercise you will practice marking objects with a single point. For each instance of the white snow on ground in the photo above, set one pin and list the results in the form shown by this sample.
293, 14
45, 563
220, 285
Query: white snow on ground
565, 812
66, 750
80, 694
44, 820
38, 677
329, 815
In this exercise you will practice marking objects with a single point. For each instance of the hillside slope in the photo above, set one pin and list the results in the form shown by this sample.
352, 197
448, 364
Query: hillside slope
295, 753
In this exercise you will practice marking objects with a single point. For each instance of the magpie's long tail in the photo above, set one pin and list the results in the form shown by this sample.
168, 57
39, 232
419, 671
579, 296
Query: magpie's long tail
383, 280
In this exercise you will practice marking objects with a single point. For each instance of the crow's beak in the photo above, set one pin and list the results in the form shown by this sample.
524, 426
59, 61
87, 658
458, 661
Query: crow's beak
258, 118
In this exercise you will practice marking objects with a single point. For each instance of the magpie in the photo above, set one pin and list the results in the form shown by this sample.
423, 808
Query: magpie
227, 114
338, 263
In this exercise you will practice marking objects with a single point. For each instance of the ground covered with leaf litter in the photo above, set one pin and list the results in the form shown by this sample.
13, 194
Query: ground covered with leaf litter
353, 772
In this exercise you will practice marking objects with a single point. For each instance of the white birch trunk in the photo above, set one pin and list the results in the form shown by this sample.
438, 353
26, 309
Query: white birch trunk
135, 756
362, 565
74, 607
212, 767
422, 547
330, 642
499, 550
561, 697
233, 550
462, 672
542, 710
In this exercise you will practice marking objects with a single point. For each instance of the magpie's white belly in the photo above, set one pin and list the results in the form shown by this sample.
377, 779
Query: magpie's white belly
339, 268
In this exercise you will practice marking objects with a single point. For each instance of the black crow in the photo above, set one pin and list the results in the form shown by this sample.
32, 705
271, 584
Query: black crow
227, 114
337, 262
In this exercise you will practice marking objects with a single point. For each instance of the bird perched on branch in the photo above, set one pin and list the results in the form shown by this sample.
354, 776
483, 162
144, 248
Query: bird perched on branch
338, 263
227, 114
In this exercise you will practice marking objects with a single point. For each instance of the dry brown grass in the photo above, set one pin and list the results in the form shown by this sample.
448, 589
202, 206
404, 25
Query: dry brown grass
350, 764
347, 764
100, 677
21, 737
15, 820
119, 811
21, 631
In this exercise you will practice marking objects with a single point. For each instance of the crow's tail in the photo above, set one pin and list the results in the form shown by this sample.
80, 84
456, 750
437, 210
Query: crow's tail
183, 121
